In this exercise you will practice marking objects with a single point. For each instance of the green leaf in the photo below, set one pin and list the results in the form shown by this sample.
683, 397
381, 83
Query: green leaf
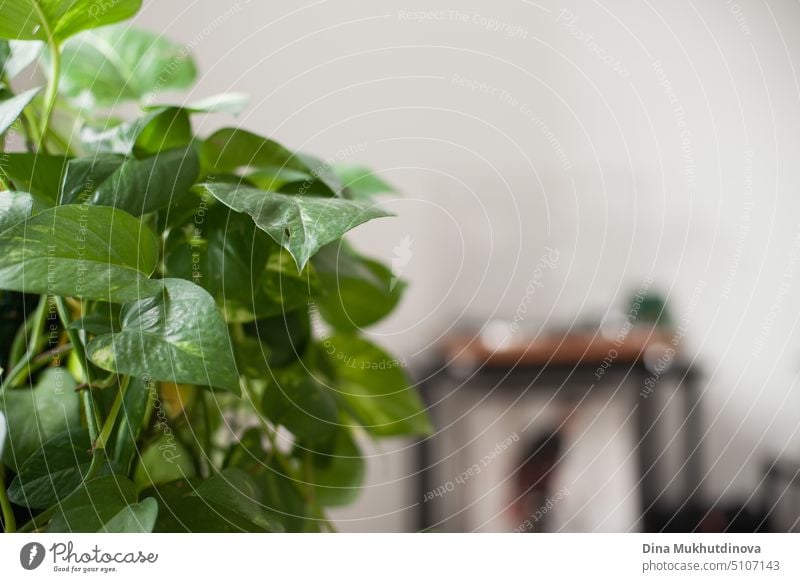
232, 103
92, 252
59, 19
361, 183
302, 225
375, 388
295, 399
158, 130
39, 174
236, 491
338, 471
135, 186
134, 409
54, 471
221, 251
22, 54
284, 338
35, 415
119, 63
12, 108
15, 207
227, 502
358, 292
176, 336
104, 318
230, 149
163, 461
136, 518
93, 504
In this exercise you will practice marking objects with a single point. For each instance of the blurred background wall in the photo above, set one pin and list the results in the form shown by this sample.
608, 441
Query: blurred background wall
637, 139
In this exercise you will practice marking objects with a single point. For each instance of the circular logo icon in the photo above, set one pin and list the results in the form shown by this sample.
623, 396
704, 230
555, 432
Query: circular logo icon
31, 555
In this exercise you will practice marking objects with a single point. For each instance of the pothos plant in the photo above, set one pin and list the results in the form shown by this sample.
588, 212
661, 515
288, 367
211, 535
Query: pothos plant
180, 315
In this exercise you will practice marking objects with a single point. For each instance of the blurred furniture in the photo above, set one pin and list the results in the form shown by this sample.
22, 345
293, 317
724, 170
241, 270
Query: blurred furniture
567, 366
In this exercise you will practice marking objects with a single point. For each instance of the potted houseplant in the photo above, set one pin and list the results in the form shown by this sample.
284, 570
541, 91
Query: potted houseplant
181, 318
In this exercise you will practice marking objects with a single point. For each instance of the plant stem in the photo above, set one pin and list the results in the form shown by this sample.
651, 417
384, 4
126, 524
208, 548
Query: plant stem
22, 368
9, 523
52, 83
111, 419
74, 338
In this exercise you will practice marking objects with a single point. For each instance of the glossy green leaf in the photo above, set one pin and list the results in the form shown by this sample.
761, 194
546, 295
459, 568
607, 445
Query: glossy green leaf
12, 108
158, 130
230, 149
135, 518
361, 183
39, 174
119, 63
93, 504
295, 399
338, 471
356, 292
223, 252
54, 471
302, 225
36, 415
15, 207
92, 252
375, 387
176, 336
135, 186
59, 19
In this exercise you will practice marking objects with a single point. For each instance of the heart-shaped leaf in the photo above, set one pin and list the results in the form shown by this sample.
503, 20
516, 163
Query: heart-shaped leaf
157, 131
56, 20
11, 109
176, 336
375, 388
35, 415
227, 502
136, 518
93, 504
135, 186
339, 470
361, 183
120, 63
356, 292
54, 471
295, 399
39, 174
83, 251
300, 224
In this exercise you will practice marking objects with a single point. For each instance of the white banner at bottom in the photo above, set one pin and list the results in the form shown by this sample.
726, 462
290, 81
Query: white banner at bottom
390, 557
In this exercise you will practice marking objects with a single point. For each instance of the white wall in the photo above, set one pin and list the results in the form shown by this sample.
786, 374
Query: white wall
638, 138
